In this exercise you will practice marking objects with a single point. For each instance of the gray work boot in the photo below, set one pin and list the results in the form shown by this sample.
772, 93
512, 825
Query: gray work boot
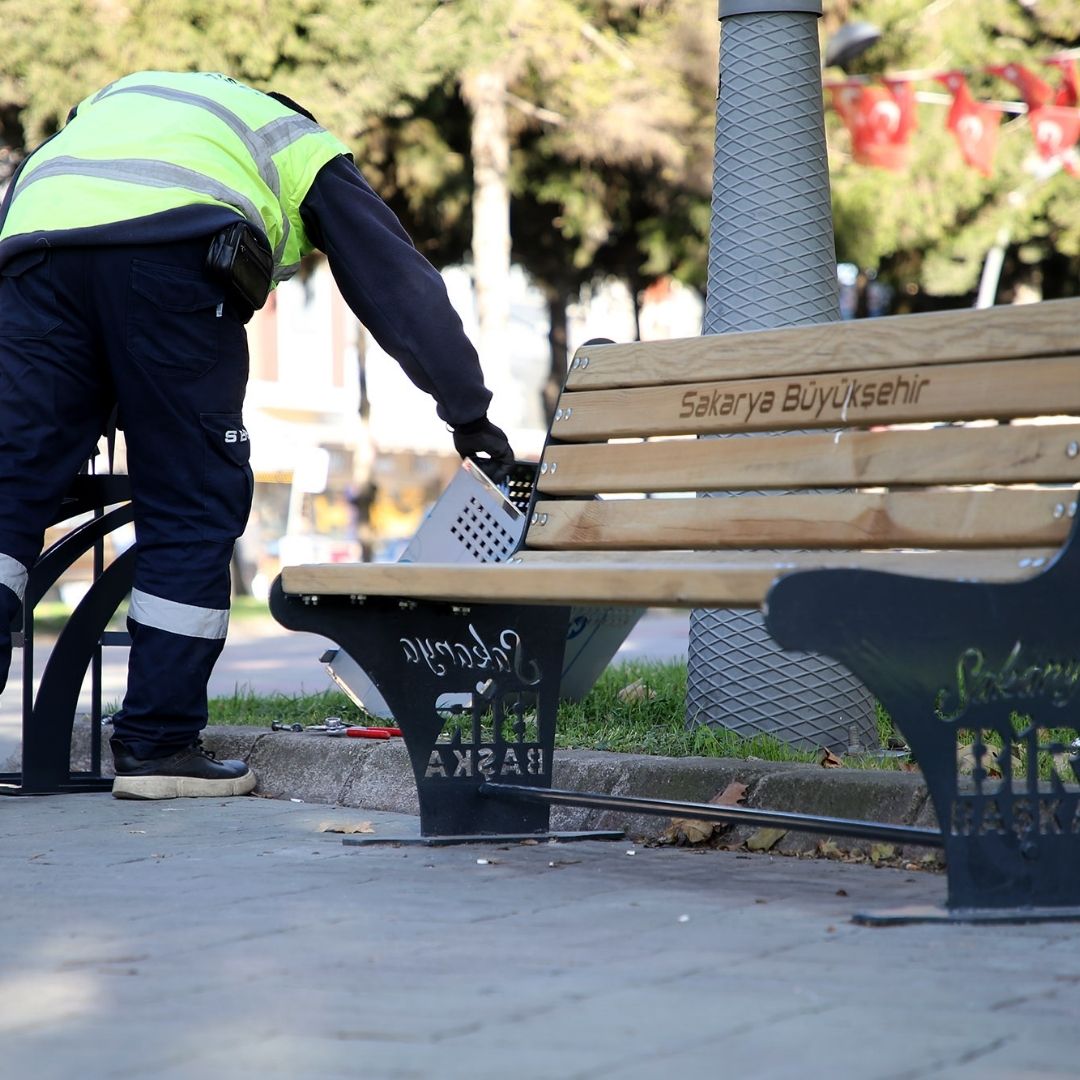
188, 773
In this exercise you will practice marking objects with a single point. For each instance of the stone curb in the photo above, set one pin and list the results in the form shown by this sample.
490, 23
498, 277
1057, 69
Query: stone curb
376, 775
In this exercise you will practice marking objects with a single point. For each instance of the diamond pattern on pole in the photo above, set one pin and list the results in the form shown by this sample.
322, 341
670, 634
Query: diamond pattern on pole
772, 259
771, 263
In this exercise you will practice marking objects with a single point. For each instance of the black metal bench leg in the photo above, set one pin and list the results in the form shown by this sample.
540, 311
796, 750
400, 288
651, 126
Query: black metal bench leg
474, 689
993, 667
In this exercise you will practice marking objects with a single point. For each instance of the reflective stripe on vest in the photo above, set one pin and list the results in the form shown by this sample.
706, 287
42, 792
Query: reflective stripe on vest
243, 111
148, 173
184, 619
261, 143
14, 575
257, 146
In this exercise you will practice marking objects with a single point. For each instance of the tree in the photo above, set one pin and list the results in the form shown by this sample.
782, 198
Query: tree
927, 231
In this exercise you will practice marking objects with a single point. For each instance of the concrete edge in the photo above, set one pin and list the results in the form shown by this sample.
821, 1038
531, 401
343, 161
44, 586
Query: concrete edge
376, 775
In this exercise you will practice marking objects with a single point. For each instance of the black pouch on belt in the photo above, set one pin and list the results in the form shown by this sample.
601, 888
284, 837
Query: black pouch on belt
239, 258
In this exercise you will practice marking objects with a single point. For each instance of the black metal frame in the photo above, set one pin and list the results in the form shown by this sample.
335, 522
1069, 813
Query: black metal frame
483, 768
47, 719
957, 663
475, 689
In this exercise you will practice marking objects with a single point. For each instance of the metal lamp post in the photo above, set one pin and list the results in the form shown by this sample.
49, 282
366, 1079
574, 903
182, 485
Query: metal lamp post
772, 263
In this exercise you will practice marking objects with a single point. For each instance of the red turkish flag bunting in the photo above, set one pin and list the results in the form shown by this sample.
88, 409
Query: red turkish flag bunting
1036, 92
975, 125
1054, 120
880, 119
1056, 130
1068, 91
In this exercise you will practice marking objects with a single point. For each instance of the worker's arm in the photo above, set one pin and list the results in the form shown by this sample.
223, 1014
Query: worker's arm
394, 291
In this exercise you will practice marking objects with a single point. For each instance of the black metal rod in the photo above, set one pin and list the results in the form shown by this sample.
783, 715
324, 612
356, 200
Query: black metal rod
730, 815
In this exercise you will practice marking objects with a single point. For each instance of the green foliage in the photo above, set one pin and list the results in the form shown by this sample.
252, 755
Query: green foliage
930, 227
611, 119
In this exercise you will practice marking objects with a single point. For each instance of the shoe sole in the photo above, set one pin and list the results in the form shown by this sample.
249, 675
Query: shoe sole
180, 787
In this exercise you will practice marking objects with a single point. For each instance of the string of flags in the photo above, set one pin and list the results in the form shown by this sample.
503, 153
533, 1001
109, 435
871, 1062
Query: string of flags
881, 117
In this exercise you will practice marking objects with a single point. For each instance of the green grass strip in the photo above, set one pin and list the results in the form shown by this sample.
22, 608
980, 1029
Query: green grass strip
651, 720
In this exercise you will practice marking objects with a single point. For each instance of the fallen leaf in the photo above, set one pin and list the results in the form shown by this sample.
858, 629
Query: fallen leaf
733, 795
765, 839
829, 849
882, 852
636, 691
347, 827
828, 760
967, 761
841, 892
690, 831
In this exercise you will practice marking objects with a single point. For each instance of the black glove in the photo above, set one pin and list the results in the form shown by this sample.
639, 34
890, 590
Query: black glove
487, 445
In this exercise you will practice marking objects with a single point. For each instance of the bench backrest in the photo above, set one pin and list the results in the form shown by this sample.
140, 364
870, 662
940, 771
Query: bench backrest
940, 431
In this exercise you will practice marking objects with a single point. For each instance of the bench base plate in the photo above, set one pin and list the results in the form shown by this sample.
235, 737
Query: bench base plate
13, 784
484, 838
928, 913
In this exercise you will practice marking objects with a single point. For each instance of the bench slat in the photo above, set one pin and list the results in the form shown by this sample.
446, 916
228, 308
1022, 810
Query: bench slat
1003, 454
997, 390
741, 582
934, 519
999, 562
1001, 333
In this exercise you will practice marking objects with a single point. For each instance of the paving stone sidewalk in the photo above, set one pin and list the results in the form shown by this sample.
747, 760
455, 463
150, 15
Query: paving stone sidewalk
233, 938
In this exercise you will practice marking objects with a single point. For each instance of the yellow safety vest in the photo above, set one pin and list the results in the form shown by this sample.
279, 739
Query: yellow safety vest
157, 141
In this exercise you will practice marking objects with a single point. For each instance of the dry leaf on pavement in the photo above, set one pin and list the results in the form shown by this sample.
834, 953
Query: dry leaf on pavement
882, 852
347, 827
828, 760
692, 831
765, 839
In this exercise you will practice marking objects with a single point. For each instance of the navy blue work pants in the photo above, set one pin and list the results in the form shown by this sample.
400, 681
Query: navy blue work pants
82, 329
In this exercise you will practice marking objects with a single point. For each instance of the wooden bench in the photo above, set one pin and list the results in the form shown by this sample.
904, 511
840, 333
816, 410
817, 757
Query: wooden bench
895, 505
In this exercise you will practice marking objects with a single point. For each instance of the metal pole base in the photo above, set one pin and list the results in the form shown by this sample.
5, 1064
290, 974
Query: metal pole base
919, 913
490, 838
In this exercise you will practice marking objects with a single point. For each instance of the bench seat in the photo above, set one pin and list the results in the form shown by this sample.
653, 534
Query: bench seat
638, 579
